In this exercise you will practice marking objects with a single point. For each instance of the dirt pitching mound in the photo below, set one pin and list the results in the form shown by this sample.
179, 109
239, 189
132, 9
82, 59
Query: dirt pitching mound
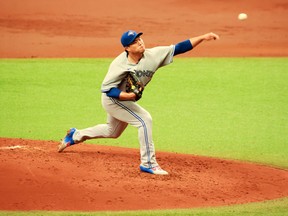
34, 176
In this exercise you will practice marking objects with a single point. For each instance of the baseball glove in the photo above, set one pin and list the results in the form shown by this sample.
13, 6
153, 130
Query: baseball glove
134, 85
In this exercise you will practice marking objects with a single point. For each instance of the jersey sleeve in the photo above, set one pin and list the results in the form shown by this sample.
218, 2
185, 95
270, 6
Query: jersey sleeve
163, 54
115, 75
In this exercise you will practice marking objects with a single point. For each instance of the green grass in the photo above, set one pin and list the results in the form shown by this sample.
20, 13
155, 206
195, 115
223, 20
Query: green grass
232, 108
268, 208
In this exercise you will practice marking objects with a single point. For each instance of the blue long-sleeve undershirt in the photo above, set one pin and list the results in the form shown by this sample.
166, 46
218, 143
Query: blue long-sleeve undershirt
114, 92
183, 47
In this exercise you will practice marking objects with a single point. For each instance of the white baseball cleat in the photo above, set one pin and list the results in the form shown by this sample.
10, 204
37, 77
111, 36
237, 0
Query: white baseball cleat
154, 170
62, 146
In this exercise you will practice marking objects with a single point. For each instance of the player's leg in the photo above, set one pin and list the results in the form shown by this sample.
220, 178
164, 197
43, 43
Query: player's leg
138, 117
112, 129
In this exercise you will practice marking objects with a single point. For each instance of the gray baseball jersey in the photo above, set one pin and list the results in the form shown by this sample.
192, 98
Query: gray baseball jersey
121, 113
153, 59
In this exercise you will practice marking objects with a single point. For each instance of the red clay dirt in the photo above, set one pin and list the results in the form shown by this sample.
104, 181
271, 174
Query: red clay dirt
88, 177
89, 28
93, 177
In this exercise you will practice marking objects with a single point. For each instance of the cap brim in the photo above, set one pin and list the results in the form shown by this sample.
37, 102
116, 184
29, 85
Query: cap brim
138, 35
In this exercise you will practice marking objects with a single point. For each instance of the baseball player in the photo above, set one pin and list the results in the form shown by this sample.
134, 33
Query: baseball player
123, 86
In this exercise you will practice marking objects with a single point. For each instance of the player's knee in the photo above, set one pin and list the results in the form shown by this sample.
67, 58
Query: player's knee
147, 119
113, 134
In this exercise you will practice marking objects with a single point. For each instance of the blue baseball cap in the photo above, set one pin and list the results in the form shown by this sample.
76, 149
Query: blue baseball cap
128, 37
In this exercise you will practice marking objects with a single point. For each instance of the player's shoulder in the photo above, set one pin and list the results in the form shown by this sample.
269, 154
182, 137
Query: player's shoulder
158, 49
120, 58
119, 62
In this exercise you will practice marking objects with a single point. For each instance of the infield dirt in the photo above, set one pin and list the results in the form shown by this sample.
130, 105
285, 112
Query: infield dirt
92, 177
89, 28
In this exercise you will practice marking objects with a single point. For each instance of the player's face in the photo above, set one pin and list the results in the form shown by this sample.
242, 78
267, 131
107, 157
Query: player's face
137, 46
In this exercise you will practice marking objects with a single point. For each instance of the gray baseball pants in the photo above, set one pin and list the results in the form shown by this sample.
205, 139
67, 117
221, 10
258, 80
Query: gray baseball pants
119, 115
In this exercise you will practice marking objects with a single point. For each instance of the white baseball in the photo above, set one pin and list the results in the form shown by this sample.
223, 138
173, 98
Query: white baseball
242, 16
